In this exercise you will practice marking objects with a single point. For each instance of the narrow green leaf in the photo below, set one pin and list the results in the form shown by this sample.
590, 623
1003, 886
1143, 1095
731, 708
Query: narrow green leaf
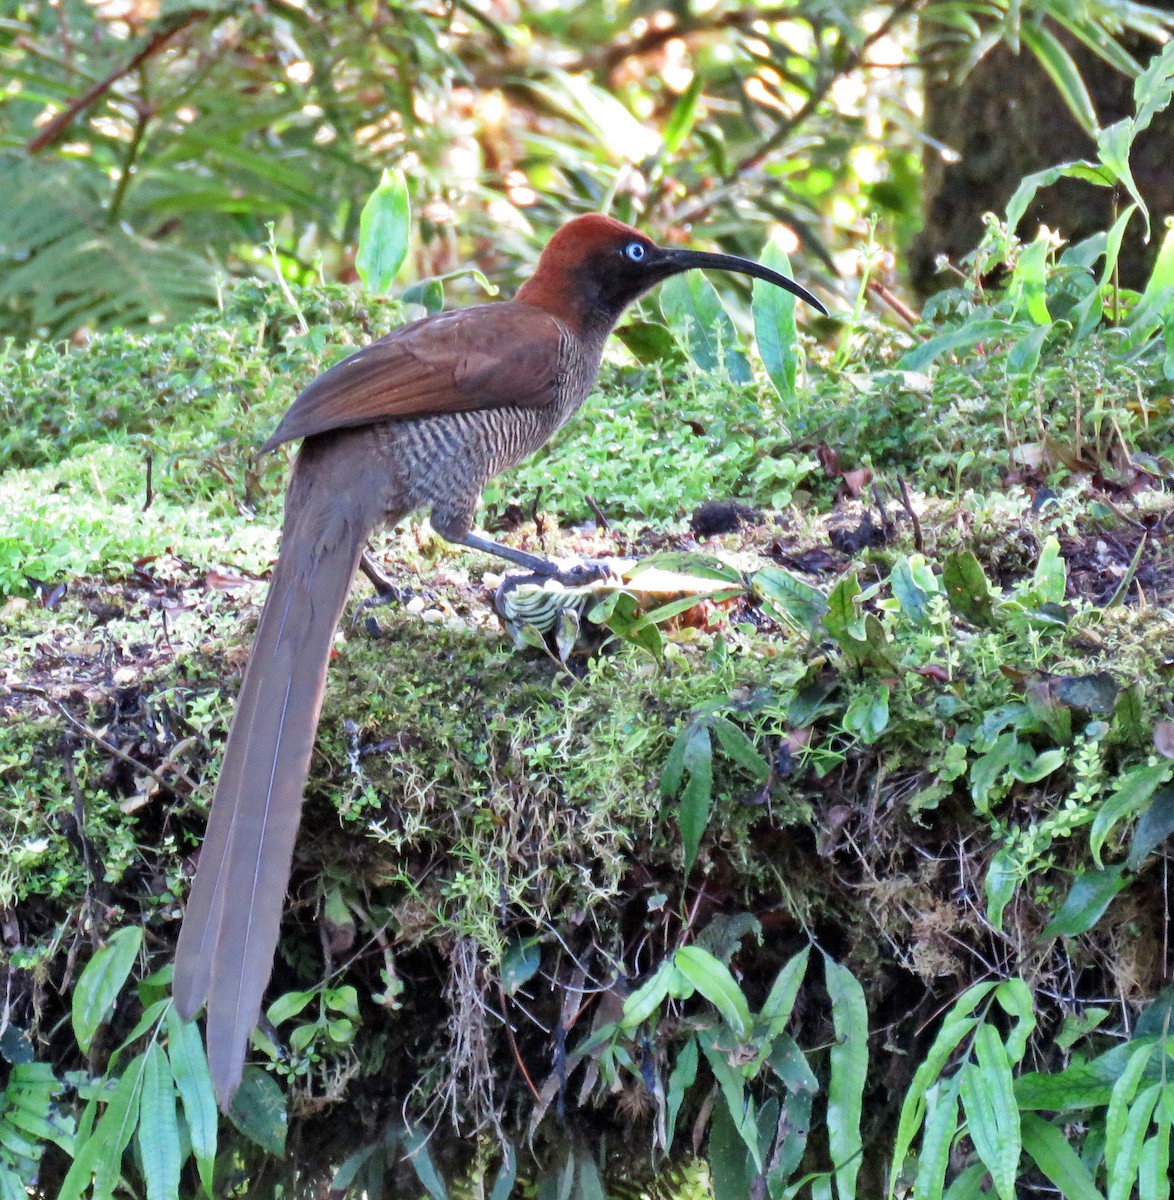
507, 1174
1153, 1171
941, 1127
983, 1126
1028, 290
1120, 1106
775, 331
1049, 1149
648, 997
961, 338
99, 984
780, 1000
385, 226
735, 742
189, 1066
681, 1079
957, 1024
848, 1059
684, 112
738, 1104
417, 1153
712, 978
693, 811
1123, 1174
1064, 73
158, 1131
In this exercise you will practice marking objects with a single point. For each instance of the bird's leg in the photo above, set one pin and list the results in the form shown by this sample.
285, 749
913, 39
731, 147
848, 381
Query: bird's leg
386, 590
576, 576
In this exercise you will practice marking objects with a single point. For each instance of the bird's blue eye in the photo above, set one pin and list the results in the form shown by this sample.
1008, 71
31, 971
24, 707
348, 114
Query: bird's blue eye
634, 251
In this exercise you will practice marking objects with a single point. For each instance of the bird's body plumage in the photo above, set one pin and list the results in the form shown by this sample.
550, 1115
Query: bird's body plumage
420, 419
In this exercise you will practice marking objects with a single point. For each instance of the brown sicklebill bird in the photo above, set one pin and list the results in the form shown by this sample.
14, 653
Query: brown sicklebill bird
421, 418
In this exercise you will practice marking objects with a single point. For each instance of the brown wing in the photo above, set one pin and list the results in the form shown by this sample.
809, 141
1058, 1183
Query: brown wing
490, 356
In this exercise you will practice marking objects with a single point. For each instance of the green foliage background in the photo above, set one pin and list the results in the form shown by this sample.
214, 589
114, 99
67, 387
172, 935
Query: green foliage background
552, 925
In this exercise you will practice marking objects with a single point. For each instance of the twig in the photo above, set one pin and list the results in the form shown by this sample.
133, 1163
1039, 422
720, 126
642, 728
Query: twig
907, 504
786, 129
97, 738
598, 513
509, 1032
168, 28
894, 302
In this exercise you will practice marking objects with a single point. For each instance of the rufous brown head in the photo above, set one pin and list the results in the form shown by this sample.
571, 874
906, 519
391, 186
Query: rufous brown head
595, 266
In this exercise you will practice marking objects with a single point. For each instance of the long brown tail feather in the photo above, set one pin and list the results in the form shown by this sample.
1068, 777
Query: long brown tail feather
233, 916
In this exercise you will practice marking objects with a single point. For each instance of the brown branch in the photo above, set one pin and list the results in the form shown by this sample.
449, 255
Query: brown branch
610, 57
55, 130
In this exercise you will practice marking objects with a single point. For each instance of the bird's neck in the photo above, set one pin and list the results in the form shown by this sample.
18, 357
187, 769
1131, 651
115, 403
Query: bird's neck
577, 302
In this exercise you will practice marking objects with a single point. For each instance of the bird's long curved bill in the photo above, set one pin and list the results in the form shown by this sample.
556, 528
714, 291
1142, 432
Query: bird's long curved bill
686, 260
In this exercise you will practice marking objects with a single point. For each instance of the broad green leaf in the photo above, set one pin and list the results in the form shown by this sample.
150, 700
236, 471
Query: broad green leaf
1113, 146
99, 984
1134, 788
867, 716
694, 311
1002, 878
848, 1066
1014, 997
1154, 826
1023, 357
259, 1111
908, 593
1090, 894
730, 1167
520, 963
189, 1066
775, 331
941, 1127
790, 599
1153, 89
385, 226
1050, 578
1028, 290
158, 1132
287, 1005
1049, 1148
967, 589
712, 978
